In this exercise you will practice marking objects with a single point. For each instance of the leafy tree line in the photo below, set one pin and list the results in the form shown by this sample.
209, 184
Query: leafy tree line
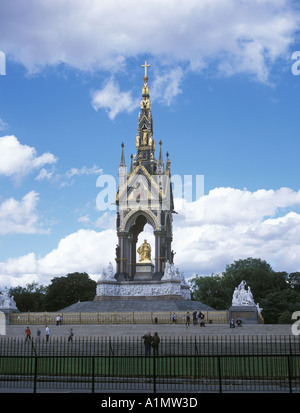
278, 293
62, 292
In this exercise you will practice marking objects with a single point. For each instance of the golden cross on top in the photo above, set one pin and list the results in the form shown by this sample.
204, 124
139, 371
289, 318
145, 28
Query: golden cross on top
145, 66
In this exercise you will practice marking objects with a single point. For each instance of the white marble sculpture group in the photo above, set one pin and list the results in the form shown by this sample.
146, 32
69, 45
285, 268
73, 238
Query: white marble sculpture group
243, 297
172, 283
7, 302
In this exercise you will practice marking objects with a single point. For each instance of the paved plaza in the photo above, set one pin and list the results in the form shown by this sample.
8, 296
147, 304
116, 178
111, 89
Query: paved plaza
138, 330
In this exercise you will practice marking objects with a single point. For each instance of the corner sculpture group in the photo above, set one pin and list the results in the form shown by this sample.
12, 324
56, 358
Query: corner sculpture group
243, 297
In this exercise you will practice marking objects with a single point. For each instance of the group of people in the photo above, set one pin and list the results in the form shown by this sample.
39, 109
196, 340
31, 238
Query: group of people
47, 333
38, 333
198, 318
238, 322
151, 342
59, 320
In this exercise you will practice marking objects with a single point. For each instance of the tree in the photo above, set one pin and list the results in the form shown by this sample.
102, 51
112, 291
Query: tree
294, 280
276, 303
209, 290
258, 274
29, 298
67, 290
274, 291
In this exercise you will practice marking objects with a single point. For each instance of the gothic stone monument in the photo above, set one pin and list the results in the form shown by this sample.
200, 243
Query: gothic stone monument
144, 196
243, 305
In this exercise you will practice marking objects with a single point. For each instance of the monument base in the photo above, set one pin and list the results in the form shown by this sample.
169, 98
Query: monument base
146, 284
247, 313
142, 290
138, 298
144, 271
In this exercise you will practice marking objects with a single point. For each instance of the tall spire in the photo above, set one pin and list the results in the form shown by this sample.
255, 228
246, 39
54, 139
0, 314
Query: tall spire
122, 162
160, 165
145, 143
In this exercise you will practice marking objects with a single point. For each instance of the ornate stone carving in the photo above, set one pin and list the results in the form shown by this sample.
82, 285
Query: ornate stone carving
7, 302
172, 283
170, 272
107, 273
243, 297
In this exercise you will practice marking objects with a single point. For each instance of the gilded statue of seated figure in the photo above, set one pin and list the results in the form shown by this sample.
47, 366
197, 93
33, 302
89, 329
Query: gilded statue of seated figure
145, 252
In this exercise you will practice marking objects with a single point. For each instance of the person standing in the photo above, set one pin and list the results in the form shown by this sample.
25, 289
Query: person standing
147, 343
188, 319
38, 334
174, 318
155, 343
195, 317
47, 330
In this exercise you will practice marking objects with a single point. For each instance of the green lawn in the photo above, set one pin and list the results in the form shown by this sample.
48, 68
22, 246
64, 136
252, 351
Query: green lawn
255, 367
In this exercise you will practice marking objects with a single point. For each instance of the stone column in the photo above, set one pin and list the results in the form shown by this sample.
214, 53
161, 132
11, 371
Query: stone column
159, 254
168, 250
124, 255
132, 257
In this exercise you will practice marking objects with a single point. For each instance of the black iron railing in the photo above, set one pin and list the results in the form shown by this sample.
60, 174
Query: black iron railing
183, 364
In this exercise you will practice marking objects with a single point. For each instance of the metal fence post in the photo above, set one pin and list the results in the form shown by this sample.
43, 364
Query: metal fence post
93, 374
154, 373
289, 373
219, 374
35, 373
290, 366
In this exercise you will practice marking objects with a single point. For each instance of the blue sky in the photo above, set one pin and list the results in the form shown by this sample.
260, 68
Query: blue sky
225, 104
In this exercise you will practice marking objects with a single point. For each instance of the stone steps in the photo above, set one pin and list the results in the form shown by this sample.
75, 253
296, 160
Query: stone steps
109, 306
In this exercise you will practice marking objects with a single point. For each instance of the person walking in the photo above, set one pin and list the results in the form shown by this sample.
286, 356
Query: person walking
71, 334
27, 334
155, 343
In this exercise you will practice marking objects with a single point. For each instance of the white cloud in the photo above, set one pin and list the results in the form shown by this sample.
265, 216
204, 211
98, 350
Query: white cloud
85, 219
83, 251
20, 217
166, 86
236, 224
94, 170
113, 100
44, 174
232, 36
3, 125
224, 37
106, 220
17, 160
